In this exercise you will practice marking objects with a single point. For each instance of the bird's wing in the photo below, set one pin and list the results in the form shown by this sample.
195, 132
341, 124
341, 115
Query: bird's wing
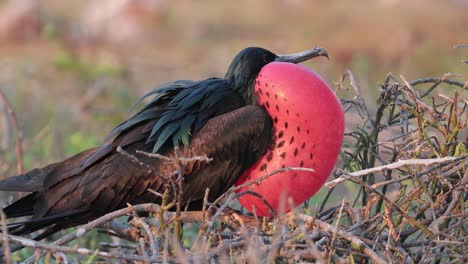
234, 141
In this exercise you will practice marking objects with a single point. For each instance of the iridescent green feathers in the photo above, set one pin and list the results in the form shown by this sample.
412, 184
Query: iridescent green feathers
179, 109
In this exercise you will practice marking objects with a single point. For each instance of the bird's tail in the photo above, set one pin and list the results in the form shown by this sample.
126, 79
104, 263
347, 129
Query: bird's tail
31, 181
22, 207
25, 207
35, 182
28, 182
51, 224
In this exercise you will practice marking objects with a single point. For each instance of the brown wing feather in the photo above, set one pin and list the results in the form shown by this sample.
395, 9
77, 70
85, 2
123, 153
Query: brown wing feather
234, 140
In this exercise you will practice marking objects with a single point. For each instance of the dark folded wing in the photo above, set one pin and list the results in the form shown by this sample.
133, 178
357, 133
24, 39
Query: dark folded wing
234, 140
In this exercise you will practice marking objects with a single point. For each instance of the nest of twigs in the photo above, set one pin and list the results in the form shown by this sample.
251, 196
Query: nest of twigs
406, 160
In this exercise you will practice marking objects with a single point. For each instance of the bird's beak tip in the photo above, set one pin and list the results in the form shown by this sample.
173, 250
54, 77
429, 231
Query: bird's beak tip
323, 52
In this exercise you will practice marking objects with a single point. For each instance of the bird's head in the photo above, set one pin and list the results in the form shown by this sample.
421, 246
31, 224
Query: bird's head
246, 66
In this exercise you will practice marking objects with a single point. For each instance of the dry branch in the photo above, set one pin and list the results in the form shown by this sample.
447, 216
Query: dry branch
29, 243
312, 221
395, 165
5, 240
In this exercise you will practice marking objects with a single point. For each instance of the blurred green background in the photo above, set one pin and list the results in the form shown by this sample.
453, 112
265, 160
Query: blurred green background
72, 68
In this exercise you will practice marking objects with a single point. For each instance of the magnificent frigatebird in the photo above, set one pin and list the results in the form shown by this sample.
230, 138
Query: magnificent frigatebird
217, 117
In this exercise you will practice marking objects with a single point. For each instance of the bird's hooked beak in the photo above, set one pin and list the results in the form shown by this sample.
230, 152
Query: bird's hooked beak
303, 55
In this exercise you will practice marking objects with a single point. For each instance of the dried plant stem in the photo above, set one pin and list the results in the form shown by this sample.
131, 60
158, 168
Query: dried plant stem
179, 190
73, 250
99, 222
202, 158
360, 99
311, 221
14, 121
5, 240
395, 165
332, 243
140, 222
133, 158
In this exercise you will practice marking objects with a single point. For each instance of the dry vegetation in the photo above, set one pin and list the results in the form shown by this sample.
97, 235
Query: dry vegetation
398, 194
410, 209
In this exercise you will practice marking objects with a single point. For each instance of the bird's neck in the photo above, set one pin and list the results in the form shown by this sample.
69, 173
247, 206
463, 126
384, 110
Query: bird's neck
245, 88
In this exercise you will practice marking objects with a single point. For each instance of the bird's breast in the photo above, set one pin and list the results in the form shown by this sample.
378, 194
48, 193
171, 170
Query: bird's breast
308, 132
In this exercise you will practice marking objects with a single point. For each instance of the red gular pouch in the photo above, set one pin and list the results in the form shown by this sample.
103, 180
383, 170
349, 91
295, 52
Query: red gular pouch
308, 132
